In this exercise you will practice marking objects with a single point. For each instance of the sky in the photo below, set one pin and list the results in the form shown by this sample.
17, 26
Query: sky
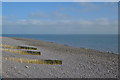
59, 17
60, 0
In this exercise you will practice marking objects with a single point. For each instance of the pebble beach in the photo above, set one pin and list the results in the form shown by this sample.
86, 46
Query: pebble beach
73, 62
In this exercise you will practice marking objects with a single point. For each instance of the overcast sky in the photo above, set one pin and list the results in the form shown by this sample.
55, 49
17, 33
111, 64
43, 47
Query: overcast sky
60, 18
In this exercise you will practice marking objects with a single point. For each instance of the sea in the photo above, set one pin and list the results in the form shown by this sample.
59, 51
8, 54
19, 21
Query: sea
104, 42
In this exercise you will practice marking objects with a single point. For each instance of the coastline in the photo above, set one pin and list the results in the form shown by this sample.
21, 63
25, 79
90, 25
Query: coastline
77, 62
103, 43
111, 52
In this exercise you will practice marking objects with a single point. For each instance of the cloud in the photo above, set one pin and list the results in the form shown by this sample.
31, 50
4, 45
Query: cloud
85, 23
36, 26
54, 15
60, 15
103, 21
0, 23
81, 23
62, 24
38, 15
92, 6
89, 6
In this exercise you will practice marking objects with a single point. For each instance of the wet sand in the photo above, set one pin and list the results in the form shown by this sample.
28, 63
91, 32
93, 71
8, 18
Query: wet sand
76, 62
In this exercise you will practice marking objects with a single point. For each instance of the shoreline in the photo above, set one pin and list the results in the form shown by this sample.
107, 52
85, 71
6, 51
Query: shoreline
109, 43
76, 62
109, 52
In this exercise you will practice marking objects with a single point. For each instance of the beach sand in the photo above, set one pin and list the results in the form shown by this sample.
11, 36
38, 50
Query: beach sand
76, 62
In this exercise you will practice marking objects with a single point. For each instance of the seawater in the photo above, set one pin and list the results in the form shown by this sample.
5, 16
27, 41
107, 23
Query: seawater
99, 42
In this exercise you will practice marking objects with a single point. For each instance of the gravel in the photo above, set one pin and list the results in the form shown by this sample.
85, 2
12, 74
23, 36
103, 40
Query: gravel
77, 62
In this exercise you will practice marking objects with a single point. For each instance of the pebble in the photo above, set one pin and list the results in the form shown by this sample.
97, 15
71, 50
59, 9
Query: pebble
15, 67
26, 66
